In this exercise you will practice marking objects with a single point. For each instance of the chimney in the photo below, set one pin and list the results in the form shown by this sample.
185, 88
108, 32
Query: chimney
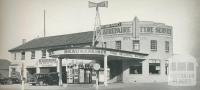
23, 41
136, 18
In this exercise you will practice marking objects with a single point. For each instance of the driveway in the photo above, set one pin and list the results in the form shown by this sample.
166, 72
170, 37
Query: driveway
114, 86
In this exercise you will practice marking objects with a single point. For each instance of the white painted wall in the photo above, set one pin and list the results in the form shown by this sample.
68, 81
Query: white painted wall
126, 44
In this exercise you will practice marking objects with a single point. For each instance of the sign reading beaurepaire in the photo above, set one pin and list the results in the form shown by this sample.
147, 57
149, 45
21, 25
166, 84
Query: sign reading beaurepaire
115, 28
84, 51
97, 52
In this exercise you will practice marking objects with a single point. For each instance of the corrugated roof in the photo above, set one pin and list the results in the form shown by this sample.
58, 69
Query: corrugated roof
53, 41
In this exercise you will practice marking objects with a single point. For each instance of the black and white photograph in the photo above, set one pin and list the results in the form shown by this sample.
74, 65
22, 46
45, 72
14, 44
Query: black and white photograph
99, 45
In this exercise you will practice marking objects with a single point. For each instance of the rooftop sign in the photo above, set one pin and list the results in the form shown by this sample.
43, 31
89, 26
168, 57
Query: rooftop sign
90, 51
115, 28
111, 25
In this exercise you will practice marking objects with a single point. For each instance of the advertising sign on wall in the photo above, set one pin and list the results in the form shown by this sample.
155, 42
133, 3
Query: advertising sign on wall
47, 62
115, 28
156, 30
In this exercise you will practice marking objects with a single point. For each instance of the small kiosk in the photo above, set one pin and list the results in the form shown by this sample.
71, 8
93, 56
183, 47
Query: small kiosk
182, 70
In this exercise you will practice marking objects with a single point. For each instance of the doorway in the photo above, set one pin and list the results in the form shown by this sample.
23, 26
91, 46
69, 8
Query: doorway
115, 70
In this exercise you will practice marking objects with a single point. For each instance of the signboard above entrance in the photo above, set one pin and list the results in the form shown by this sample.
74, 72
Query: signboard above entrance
84, 51
98, 51
47, 62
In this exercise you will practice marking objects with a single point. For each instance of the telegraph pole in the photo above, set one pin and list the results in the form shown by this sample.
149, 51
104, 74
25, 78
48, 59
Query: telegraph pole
44, 23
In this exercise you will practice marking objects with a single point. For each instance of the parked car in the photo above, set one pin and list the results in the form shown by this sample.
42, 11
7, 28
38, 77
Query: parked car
9, 81
44, 79
15, 80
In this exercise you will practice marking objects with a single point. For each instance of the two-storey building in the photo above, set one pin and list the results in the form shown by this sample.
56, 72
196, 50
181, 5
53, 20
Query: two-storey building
132, 51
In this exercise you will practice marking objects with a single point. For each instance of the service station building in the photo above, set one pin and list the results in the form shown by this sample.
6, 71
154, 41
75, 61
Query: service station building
132, 51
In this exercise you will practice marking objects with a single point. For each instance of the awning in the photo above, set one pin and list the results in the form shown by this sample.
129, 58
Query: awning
95, 53
30, 67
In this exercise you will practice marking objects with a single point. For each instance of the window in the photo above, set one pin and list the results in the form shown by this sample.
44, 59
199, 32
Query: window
32, 54
173, 66
50, 53
166, 66
14, 73
136, 45
153, 45
149, 29
118, 45
166, 46
23, 55
15, 56
154, 66
13, 70
181, 66
44, 53
190, 66
135, 69
105, 44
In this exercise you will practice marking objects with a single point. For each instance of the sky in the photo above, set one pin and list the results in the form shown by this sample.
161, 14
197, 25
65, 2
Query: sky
23, 19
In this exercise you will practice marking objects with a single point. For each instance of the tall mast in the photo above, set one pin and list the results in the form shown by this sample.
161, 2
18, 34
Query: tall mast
97, 26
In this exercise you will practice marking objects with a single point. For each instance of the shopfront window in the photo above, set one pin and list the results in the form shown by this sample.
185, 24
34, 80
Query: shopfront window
153, 45
23, 55
135, 69
154, 66
136, 45
32, 54
118, 45
44, 53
